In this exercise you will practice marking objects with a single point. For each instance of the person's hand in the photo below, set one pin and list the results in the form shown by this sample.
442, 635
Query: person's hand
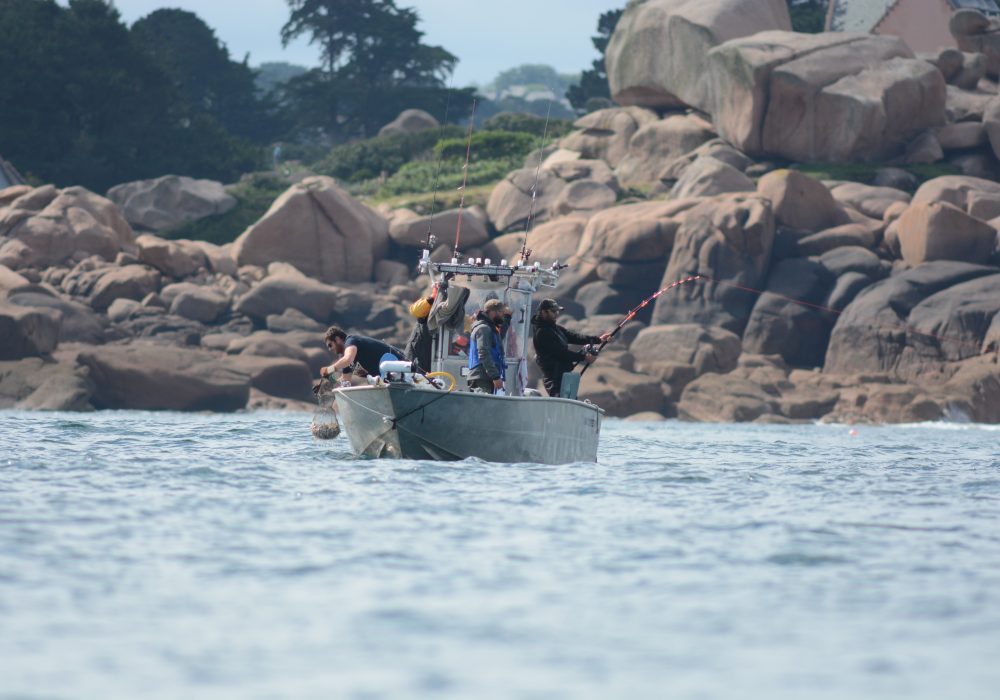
324, 371
498, 383
606, 338
589, 359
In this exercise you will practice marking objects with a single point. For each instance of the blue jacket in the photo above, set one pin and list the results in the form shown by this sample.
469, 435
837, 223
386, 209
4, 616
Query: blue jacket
486, 358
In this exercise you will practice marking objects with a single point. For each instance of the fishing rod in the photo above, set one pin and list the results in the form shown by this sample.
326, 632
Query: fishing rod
437, 173
631, 314
465, 179
525, 253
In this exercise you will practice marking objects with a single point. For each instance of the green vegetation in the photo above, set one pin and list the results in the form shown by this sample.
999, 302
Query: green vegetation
528, 124
254, 196
420, 176
592, 92
486, 145
367, 159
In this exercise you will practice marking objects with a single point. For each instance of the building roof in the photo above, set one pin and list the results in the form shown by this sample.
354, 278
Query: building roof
864, 15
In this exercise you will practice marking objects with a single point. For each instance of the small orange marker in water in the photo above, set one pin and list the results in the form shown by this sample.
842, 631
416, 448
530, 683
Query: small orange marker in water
853, 433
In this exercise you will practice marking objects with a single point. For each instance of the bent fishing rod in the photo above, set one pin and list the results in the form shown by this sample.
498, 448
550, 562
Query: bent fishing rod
631, 314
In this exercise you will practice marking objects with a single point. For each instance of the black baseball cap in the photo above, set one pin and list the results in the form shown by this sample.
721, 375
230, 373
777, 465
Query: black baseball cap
549, 305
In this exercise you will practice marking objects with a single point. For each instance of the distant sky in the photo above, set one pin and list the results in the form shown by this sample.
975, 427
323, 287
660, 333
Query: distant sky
487, 37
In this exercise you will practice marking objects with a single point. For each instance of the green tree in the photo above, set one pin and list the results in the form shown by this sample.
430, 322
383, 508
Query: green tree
203, 73
375, 64
85, 105
593, 85
808, 16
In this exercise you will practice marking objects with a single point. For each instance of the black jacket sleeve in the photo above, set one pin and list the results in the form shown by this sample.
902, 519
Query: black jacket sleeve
549, 346
577, 339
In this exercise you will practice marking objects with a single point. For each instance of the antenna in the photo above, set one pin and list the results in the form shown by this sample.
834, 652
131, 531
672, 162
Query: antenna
525, 253
465, 178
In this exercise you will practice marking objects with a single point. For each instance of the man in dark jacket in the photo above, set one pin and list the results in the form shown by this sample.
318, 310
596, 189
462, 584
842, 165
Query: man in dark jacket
487, 364
421, 343
552, 343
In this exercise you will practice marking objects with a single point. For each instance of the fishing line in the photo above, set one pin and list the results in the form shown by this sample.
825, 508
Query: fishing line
465, 178
525, 254
802, 302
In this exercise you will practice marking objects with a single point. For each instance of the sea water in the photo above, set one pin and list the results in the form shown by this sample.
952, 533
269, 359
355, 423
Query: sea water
201, 556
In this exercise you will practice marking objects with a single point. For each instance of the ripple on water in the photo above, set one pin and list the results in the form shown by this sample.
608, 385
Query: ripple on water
170, 555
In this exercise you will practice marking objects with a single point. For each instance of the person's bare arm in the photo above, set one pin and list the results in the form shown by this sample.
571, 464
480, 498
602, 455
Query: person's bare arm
350, 354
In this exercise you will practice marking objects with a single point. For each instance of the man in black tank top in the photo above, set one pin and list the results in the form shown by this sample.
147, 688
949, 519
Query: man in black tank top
356, 350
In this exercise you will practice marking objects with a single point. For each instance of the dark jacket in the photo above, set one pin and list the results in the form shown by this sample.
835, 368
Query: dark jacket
419, 346
552, 351
486, 335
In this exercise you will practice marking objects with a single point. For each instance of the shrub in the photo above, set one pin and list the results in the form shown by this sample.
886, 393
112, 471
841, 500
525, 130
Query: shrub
359, 160
487, 145
528, 123
422, 176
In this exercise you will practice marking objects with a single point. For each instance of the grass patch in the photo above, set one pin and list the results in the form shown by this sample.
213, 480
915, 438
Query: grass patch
424, 202
254, 197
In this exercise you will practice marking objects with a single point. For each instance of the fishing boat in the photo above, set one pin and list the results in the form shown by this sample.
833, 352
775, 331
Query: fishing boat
410, 415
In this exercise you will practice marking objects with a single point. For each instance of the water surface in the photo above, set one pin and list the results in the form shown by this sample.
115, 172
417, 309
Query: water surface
201, 556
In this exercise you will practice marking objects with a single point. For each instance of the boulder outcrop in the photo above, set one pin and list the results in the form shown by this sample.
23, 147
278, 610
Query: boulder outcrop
606, 134
168, 202
822, 97
27, 331
658, 143
47, 227
727, 240
148, 376
657, 55
410, 121
321, 230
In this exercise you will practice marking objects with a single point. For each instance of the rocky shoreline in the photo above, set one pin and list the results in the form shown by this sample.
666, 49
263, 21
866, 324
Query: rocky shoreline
896, 280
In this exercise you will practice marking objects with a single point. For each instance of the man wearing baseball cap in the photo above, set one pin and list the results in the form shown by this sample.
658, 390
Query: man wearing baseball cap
552, 343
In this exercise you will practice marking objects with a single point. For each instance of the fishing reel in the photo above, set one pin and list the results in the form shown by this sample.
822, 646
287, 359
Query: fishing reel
591, 349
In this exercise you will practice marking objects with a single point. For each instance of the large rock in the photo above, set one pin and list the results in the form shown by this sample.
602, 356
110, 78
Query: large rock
954, 324
823, 97
150, 377
276, 376
584, 196
657, 144
606, 134
619, 392
706, 349
657, 55
941, 231
510, 203
50, 384
27, 331
166, 256
707, 177
958, 190
203, 304
170, 201
728, 240
976, 33
557, 240
872, 334
798, 332
799, 201
78, 323
321, 230
280, 292
10, 279
47, 227
631, 244
130, 282
870, 201
410, 121
412, 231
